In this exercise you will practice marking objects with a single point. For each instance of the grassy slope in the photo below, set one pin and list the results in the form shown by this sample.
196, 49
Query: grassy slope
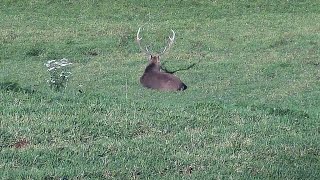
251, 109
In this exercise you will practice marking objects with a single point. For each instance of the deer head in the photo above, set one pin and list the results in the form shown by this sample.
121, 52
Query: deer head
153, 77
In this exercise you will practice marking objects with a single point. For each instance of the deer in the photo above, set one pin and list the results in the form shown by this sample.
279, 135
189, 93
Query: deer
153, 76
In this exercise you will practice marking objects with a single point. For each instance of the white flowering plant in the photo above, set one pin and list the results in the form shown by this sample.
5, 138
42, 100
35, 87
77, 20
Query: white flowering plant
59, 73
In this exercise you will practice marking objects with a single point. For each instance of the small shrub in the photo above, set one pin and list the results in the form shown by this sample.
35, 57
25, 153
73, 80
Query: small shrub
59, 73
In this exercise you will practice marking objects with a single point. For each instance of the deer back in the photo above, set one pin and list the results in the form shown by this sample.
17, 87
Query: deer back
155, 79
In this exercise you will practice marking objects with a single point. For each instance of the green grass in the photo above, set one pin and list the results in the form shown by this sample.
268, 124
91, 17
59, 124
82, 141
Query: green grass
251, 110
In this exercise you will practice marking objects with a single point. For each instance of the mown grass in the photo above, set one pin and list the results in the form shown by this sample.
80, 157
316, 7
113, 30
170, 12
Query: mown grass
251, 110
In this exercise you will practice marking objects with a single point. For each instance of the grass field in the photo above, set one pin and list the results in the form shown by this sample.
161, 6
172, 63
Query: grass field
251, 110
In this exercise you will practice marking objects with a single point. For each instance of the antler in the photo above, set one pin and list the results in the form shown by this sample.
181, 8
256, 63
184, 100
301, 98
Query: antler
138, 41
170, 43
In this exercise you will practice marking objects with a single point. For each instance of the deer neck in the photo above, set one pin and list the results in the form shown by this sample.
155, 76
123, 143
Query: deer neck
152, 67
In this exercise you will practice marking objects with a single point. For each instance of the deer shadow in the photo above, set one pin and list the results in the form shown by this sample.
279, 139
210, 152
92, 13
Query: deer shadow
180, 69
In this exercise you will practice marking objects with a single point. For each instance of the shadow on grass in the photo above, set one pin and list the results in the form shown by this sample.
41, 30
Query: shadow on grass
15, 87
181, 69
278, 111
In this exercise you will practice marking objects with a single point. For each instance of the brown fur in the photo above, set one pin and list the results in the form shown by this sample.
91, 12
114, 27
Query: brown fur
155, 79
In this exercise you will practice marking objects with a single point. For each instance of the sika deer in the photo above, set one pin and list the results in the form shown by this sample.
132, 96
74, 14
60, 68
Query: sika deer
153, 77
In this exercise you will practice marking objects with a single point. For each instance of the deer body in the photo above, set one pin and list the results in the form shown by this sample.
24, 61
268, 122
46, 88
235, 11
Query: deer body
155, 79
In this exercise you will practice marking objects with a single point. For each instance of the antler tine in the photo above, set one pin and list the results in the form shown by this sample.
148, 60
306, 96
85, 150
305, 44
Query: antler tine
173, 36
138, 41
138, 34
170, 42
